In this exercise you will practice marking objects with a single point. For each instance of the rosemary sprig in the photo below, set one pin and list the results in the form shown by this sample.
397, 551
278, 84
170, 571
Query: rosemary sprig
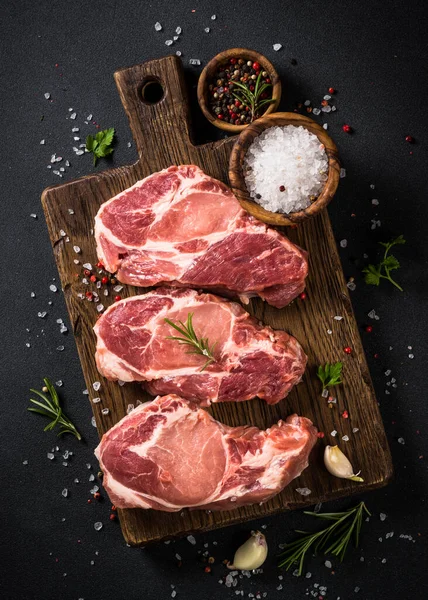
189, 337
51, 408
333, 539
253, 99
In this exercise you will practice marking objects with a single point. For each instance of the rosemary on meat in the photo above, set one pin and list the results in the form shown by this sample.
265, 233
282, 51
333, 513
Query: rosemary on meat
188, 336
252, 99
51, 408
332, 539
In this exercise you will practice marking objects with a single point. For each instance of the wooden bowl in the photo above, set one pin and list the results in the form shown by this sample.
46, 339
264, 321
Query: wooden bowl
236, 175
208, 73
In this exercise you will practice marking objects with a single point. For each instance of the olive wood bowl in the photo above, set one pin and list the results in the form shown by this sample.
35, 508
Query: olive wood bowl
208, 73
237, 157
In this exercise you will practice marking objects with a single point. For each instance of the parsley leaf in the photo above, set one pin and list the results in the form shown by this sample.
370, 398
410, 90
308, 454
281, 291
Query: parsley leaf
330, 374
373, 274
100, 145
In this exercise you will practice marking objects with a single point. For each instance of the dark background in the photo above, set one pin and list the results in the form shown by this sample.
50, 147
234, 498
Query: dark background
375, 55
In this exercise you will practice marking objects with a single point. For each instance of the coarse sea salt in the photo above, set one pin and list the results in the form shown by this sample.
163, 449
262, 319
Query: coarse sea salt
285, 167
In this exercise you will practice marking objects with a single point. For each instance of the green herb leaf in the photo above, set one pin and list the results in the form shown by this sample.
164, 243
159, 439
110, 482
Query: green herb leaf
100, 146
50, 407
345, 525
189, 337
373, 274
330, 374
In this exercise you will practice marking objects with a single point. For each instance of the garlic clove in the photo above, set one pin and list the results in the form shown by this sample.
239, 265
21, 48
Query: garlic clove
338, 465
252, 554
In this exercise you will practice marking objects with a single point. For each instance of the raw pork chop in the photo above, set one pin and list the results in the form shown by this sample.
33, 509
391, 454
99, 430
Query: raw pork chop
251, 359
180, 226
169, 454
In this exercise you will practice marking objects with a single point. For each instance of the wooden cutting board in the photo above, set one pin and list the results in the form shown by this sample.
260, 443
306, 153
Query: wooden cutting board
163, 137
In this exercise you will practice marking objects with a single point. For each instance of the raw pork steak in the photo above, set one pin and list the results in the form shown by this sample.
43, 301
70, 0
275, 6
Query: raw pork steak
251, 359
180, 226
169, 454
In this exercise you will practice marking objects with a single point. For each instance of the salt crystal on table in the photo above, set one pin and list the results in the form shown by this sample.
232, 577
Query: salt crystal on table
207, 29
194, 61
325, 126
50, 455
178, 557
158, 26
47, 95
316, 112
80, 152
53, 288
342, 173
168, 42
375, 202
191, 539
308, 575
118, 288
105, 411
328, 564
178, 30
277, 47
382, 516
42, 315
401, 441
333, 433
94, 490
130, 408
303, 491
33, 215
411, 356
98, 525
329, 331
213, 17
326, 109
355, 430
338, 318
343, 243
96, 400
96, 385
175, 38
63, 328
100, 307
89, 117
73, 116
77, 249
324, 393
65, 492
307, 103
351, 286
60, 348
345, 438
42, 142
93, 422
33, 295
75, 129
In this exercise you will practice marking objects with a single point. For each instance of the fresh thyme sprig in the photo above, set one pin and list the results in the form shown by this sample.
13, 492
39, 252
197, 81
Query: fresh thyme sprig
333, 539
374, 273
253, 99
51, 408
330, 374
189, 337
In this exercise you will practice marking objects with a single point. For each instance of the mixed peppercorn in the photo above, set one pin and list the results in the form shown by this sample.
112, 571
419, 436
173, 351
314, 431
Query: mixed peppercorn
228, 100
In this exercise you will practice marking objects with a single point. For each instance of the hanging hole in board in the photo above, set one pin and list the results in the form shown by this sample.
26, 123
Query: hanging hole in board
152, 91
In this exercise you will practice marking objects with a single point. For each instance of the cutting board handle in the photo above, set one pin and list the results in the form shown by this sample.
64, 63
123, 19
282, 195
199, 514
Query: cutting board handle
154, 96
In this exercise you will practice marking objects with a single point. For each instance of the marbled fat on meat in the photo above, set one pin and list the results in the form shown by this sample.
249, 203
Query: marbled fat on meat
169, 454
250, 359
180, 226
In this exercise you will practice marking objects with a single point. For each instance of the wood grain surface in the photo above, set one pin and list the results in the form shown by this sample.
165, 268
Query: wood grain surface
162, 135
